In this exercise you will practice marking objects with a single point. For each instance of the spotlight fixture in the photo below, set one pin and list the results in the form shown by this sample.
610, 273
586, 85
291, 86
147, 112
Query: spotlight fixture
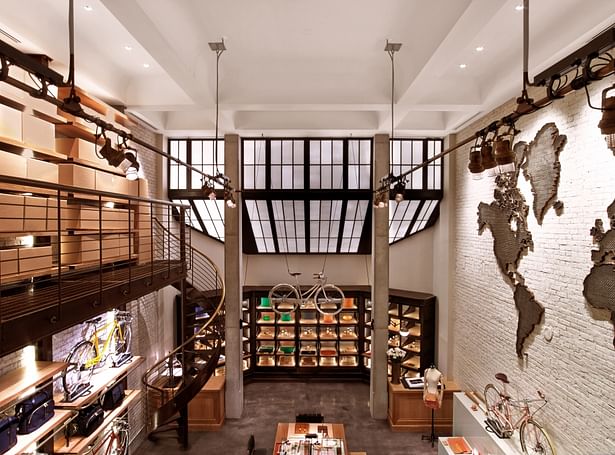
230, 199
399, 190
208, 190
381, 199
130, 166
487, 160
504, 156
476, 162
124, 158
607, 122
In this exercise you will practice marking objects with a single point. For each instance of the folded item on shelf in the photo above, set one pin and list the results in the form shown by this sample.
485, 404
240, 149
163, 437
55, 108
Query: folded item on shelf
459, 445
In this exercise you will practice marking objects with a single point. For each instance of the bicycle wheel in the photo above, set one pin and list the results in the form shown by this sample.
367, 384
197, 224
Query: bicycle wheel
496, 410
329, 299
534, 439
77, 374
284, 298
121, 341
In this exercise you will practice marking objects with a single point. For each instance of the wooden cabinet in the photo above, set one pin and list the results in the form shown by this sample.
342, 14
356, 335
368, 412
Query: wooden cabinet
408, 413
206, 410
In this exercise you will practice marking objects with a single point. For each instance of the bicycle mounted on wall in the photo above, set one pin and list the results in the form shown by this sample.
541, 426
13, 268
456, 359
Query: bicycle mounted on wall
326, 298
110, 341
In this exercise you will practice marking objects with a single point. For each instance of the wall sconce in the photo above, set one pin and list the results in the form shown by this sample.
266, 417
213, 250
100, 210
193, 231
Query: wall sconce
607, 122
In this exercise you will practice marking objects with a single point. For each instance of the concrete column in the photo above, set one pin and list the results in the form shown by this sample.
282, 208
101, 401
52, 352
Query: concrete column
444, 265
378, 401
233, 279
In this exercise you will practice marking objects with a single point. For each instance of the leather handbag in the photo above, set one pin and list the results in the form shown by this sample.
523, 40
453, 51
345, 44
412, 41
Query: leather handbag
8, 433
113, 397
34, 411
88, 420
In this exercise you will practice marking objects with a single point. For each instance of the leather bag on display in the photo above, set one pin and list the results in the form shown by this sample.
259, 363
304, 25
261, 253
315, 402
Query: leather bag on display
88, 420
8, 433
113, 397
34, 411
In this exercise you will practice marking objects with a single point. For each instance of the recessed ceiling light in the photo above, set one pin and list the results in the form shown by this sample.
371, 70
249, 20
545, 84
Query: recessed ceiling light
463, 66
128, 48
146, 65
519, 7
479, 48
87, 7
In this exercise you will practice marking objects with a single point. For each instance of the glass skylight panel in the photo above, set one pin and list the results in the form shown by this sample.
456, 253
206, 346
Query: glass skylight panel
177, 172
202, 158
356, 211
325, 219
434, 169
359, 164
405, 154
289, 225
254, 167
424, 215
212, 215
326, 164
400, 217
261, 227
287, 164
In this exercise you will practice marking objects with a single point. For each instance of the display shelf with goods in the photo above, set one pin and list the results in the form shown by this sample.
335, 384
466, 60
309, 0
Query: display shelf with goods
20, 384
412, 328
305, 341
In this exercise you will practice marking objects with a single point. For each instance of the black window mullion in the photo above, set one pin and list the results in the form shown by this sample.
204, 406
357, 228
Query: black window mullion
306, 164
274, 231
268, 164
414, 218
306, 211
345, 162
425, 169
343, 220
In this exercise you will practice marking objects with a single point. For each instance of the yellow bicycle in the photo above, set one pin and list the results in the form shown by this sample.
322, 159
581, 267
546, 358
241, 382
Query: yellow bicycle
109, 341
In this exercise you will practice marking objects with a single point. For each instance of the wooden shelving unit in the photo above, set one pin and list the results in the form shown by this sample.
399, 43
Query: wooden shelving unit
15, 383
100, 381
60, 417
79, 444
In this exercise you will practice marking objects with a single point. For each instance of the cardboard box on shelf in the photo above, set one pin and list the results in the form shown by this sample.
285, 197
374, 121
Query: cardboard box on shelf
10, 123
86, 248
12, 164
38, 133
11, 92
143, 189
41, 105
34, 258
77, 176
118, 184
8, 262
11, 213
69, 214
35, 214
42, 170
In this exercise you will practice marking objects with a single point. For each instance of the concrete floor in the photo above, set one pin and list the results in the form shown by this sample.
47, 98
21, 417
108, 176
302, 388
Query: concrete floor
266, 404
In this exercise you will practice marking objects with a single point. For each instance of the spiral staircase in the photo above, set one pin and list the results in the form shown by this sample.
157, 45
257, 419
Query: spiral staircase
173, 381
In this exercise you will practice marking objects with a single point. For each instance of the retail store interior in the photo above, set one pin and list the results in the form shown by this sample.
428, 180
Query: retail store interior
320, 227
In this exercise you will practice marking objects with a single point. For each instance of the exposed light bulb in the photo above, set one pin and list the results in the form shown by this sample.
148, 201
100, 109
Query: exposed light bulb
212, 196
463, 66
479, 48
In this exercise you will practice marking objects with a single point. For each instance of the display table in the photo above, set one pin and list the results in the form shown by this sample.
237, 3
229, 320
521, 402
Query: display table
408, 413
297, 432
471, 425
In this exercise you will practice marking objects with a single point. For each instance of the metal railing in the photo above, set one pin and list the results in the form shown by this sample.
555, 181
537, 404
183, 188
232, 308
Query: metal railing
66, 251
189, 365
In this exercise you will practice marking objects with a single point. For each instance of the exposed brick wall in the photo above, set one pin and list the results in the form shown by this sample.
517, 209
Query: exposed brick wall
150, 161
575, 369
12, 361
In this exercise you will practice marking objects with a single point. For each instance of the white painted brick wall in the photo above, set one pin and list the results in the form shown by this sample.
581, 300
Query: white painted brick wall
576, 370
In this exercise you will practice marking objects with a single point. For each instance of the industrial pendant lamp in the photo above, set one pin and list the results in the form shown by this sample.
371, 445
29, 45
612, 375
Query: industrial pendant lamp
503, 153
475, 166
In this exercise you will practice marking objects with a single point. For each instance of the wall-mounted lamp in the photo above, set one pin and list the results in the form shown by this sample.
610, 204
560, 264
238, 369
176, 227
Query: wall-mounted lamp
607, 122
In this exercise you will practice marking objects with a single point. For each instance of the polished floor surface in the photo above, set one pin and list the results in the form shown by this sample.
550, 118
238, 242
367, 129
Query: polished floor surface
266, 404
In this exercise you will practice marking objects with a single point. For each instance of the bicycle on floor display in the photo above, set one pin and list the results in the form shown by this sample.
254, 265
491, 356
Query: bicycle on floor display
505, 415
111, 341
326, 298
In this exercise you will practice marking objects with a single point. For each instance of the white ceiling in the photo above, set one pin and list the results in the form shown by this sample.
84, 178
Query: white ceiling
304, 68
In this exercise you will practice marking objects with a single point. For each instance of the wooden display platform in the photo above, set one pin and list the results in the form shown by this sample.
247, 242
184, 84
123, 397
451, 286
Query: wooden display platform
408, 413
100, 381
59, 418
79, 444
284, 430
14, 383
206, 409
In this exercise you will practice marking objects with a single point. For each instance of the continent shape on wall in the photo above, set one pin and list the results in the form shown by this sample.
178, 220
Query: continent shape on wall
599, 285
506, 218
542, 168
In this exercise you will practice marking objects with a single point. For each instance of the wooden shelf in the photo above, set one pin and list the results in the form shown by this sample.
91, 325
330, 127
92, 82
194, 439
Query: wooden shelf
15, 383
39, 152
100, 381
60, 417
79, 444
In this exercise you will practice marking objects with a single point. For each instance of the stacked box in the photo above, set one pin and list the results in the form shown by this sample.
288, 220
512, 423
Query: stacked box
8, 262
11, 213
10, 123
38, 133
35, 214
34, 258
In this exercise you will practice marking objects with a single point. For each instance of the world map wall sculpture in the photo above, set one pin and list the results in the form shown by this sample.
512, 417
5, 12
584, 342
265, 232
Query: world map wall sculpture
599, 285
506, 218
